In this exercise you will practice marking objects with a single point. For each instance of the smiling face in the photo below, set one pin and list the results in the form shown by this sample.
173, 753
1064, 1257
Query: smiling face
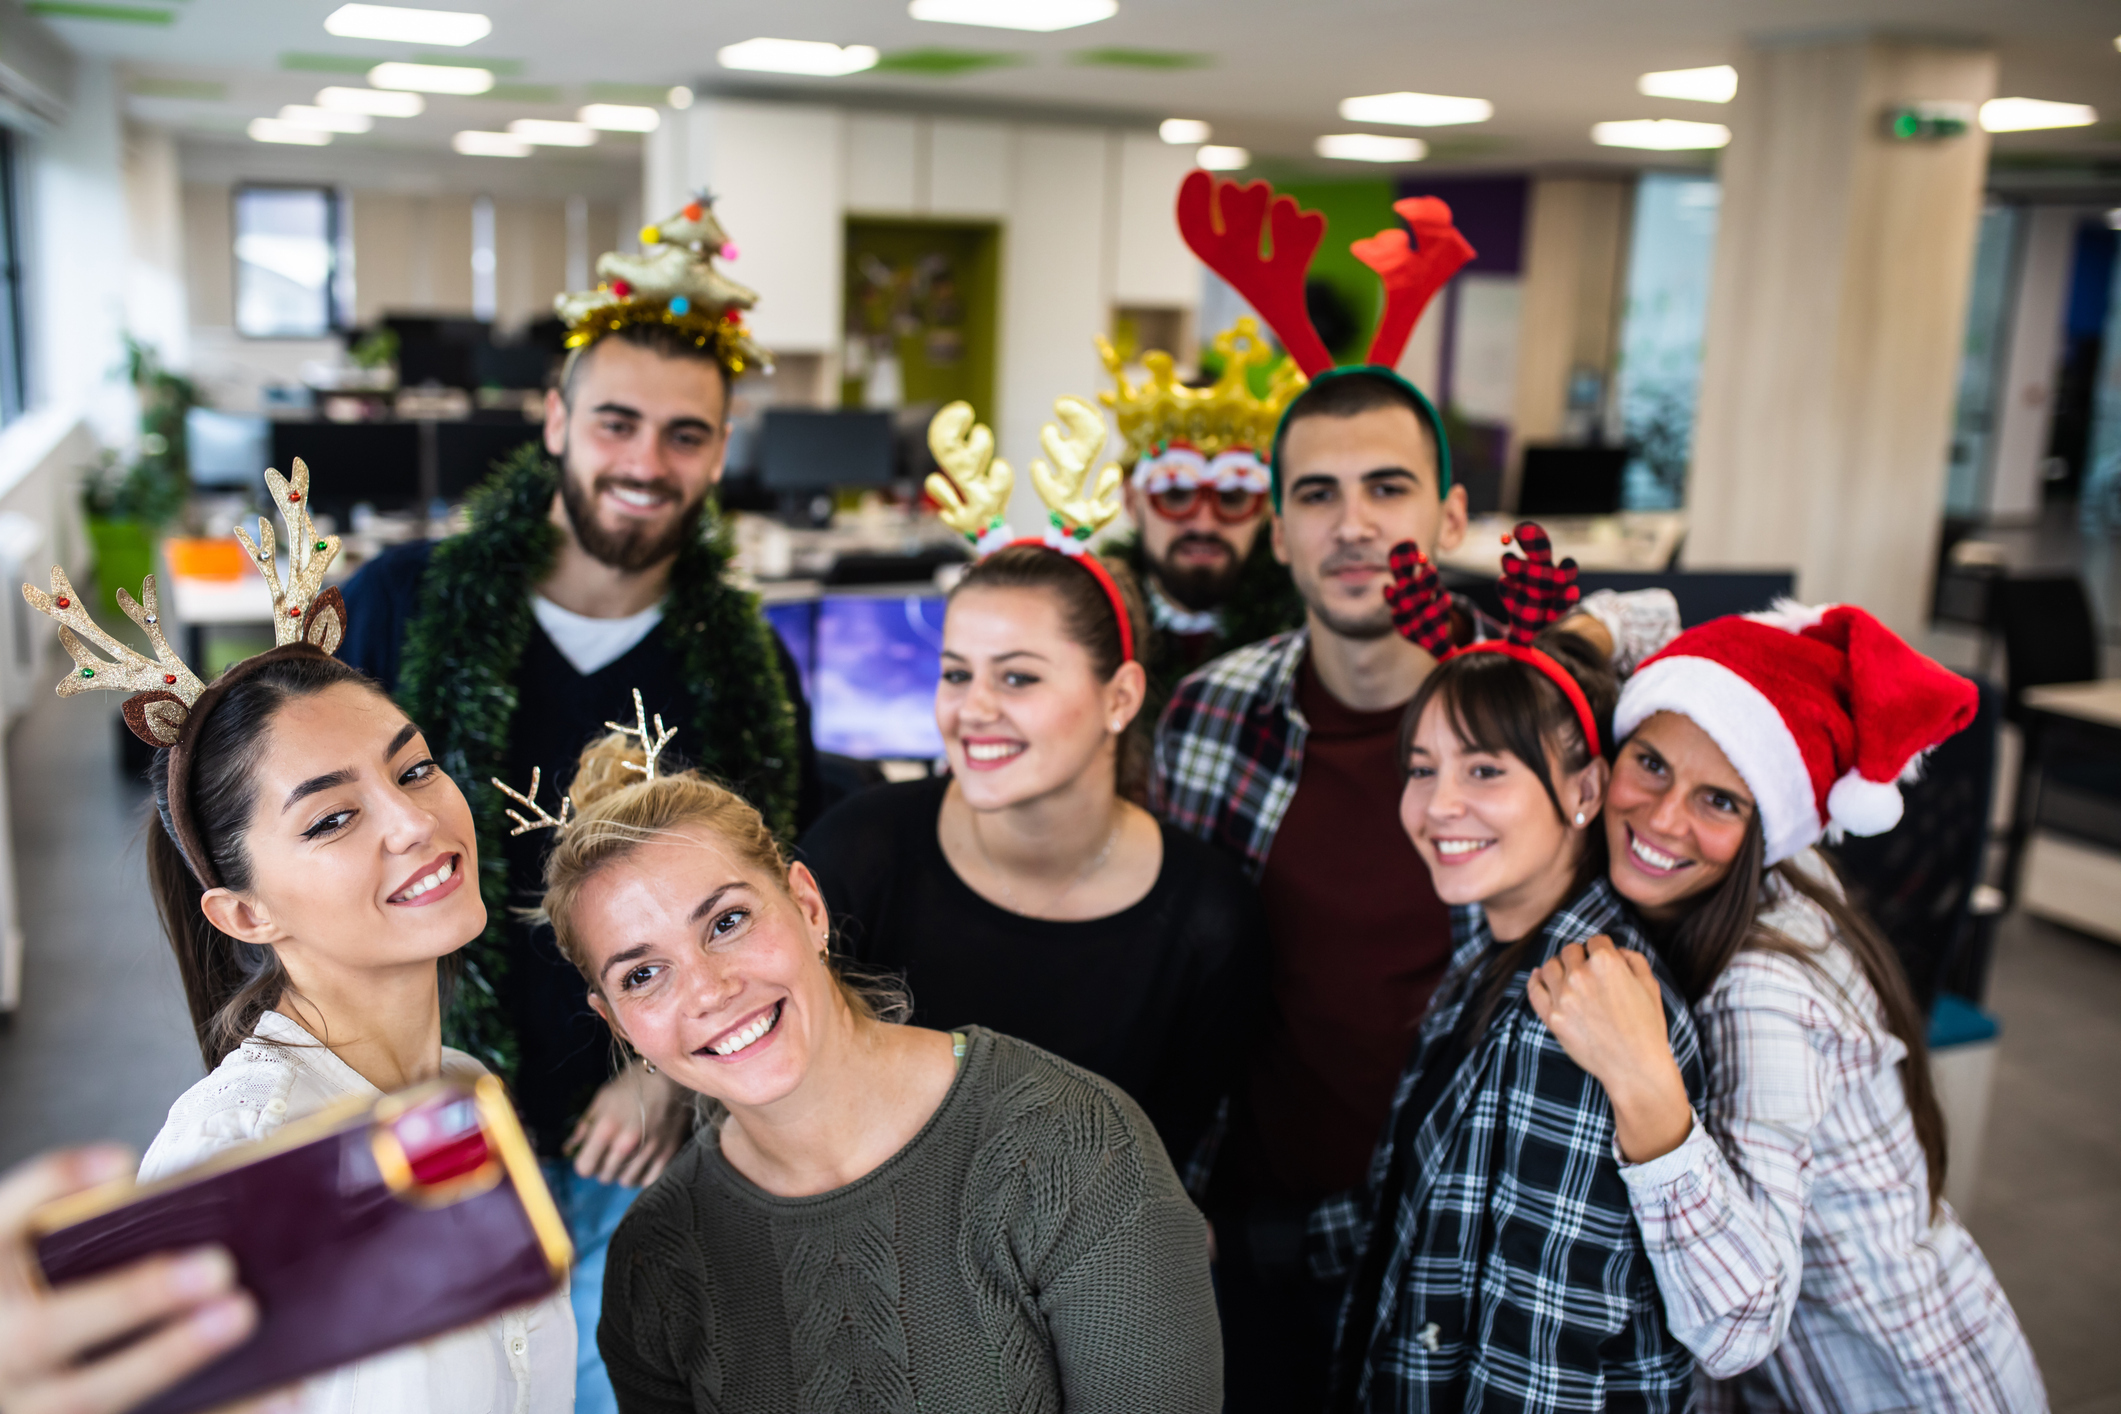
640, 437
1196, 556
1353, 487
1486, 827
710, 968
1019, 703
1676, 817
361, 850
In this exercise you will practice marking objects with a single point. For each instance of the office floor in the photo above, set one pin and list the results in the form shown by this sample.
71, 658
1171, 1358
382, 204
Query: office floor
101, 1046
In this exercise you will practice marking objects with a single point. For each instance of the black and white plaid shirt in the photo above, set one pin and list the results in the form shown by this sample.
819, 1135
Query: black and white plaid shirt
1513, 1276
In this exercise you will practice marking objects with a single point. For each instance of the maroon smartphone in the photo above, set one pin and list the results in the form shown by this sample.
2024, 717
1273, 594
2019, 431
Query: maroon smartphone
358, 1229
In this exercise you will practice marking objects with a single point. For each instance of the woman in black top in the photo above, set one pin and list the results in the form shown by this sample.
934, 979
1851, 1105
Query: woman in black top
1024, 891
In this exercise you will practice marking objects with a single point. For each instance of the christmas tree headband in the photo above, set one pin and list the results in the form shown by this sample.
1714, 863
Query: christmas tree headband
170, 705
671, 282
972, 490
1224, 223
1536, 594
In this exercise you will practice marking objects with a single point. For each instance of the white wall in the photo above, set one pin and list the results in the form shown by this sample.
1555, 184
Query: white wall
1085, 214
78, 256
2032, 361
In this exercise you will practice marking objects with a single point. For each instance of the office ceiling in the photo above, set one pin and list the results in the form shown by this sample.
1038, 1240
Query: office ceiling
1268, 76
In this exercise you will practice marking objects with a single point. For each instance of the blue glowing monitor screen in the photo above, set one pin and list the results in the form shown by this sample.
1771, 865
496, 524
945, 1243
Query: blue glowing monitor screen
873, 674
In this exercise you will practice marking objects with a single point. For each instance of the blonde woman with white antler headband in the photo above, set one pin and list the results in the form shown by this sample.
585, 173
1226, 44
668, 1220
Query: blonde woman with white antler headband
1026, 890
311, 866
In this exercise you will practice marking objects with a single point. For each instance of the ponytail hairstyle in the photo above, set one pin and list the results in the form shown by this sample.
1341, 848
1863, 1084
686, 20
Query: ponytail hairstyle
1499, 703
228, 984
1088, 619
617, 809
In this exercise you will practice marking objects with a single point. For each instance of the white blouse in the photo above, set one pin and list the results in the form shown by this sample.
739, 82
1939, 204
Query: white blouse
520, 1362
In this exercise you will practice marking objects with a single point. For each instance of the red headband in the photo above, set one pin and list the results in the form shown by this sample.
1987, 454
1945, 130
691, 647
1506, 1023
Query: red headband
1555, 673
1105, 581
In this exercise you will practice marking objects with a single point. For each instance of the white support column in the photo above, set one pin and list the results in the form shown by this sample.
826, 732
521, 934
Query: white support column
2032, 360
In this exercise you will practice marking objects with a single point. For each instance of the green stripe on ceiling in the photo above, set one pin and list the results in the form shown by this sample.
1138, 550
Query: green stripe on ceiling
942, 63
521, 93
648, 94
111, 14
1143, 58
362, 63
178, 88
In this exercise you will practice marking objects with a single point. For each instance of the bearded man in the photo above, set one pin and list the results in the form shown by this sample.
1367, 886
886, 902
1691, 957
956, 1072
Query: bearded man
592, 578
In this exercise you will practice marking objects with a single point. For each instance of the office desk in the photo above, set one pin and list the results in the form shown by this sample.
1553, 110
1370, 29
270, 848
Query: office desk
1632, 542
2065, 842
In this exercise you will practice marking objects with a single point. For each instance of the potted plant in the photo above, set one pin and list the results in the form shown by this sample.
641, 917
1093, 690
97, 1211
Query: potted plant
128, 505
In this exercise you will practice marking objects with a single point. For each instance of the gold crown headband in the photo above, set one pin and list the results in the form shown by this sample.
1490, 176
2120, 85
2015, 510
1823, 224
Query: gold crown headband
168, 700
540, 819
673, 282
1227, 416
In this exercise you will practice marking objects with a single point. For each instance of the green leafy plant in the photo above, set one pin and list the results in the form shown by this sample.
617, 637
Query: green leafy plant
154, 488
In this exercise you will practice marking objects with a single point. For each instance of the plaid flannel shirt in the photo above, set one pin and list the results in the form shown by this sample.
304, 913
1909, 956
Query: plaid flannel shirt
1516, 1279
1230, 746
1791, 1232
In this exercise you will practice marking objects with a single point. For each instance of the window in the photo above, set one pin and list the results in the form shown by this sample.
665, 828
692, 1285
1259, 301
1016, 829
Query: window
13, 358
288, 258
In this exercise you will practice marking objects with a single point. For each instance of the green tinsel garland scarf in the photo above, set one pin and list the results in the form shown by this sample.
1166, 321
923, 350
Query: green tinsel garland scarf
458, 682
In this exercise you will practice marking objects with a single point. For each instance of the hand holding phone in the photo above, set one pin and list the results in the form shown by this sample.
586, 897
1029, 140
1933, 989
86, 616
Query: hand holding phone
186, 1303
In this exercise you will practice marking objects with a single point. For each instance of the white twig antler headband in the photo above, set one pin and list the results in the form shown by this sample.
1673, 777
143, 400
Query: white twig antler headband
541, 819
169, 701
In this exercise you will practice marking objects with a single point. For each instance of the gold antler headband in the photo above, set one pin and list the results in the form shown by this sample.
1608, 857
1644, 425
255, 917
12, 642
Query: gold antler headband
654, 747
541, 819
973, 487
308, 557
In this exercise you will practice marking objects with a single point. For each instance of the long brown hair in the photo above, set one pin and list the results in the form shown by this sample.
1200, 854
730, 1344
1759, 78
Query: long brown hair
1087, 619
1726, 920
1498, 704
228, 984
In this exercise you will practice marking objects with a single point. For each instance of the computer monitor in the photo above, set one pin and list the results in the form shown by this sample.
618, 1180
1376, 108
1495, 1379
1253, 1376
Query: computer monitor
873, 674
438, 349
1571, 481
376, 462
804, 449
466, 452
227, 449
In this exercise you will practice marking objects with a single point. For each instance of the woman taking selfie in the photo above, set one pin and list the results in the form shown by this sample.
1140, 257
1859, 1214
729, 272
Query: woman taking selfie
884, 1217
1026, 891
312, 865
1796, 1219
1492, 1259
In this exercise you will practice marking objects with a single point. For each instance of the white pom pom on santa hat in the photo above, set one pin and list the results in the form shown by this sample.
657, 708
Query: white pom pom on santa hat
1857, 806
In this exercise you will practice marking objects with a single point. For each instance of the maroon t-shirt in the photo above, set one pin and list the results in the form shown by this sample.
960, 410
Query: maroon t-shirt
1358, 941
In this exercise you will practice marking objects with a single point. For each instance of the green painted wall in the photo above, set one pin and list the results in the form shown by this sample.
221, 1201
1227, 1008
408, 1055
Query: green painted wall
1353, 210
946, 344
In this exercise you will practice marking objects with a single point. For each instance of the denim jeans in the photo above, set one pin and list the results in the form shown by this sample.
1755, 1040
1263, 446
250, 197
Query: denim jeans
592, 1210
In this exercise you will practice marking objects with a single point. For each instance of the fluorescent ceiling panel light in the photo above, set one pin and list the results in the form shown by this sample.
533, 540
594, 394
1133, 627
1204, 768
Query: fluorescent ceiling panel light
273, 130
620, 117
431, 78
404, 26
1223, 159
797, 56
2022, 115
1660, 134
1370, 147
478, 144
1040, 16
376, 102
1717, 83
325, 120
553, 132
1416, 110
1179, 132
679, 97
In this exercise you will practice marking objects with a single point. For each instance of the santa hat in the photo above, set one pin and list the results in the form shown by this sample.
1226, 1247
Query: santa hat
1823, 711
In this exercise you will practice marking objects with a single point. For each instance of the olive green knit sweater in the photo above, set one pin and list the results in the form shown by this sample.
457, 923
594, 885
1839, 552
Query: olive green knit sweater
1030, 1250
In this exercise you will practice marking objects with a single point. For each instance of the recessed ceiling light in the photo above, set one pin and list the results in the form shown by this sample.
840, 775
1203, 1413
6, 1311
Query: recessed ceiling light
374, 101
553, 132
1181, 131
679, 97
325, 119
273, 130
620, 117
478, 144
404, 26
1718, 83
1660, 134
797, 56
1223, 159
431, 78
1416, 110
1370, 147
2019, 115
1043, 16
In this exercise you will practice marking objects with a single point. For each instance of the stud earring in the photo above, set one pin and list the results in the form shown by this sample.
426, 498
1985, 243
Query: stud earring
648, 1065
1579, 817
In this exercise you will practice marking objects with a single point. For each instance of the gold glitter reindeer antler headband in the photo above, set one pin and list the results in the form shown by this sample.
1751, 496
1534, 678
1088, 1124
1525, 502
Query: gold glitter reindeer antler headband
542, 819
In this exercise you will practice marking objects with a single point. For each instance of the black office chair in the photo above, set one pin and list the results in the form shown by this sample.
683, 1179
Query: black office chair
1917, 881
2048, 635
